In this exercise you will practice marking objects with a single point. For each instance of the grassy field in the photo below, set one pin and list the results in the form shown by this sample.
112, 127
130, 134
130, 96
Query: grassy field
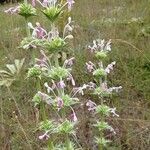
127, 23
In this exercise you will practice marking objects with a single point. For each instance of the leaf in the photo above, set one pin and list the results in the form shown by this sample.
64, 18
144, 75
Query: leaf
12, 68
7, 77
4, 72
6, 82
19, 64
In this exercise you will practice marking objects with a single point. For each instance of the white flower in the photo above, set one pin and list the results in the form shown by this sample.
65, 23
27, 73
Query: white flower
91, 105
112, 110
110, 67
90, 66
73, 117
49, 89
116, 89
45, 136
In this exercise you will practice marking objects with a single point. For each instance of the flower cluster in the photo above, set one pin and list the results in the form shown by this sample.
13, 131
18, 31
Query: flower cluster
55, 84
55, 92
57, 96
100, 48
50, 41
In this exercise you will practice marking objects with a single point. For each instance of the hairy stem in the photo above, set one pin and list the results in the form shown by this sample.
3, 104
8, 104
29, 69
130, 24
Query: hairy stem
50, 144
13, 98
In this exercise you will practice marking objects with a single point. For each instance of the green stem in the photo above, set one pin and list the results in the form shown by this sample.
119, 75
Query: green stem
56, 60
100, 147
67, 142
42, 105
43, 112
50, 145
13, 98
27, 29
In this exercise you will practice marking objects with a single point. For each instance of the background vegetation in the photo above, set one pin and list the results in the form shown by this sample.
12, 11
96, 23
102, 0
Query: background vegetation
127, 23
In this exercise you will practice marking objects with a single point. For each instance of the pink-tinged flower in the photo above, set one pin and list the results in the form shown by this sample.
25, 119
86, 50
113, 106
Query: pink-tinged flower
113, 111
61, 84
116, 89
33, 3
110, 67
42, 62
104, 86
38, 31
90, 66
80, 89
45, 136
48, 3
69, 62
53, 85
108, 46
45, 3
73, 117
45, 98
70, 78
70, 4
94, 47
100, 45
43, 95
112, 130
91, 105
91, 85
49, 89
60, 103
67, 29
12, 10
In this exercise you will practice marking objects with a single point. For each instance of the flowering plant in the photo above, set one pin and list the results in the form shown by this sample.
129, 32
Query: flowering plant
100, 48
55, 84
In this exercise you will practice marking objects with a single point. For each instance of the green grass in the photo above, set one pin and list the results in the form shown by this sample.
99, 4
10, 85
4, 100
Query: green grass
127, 23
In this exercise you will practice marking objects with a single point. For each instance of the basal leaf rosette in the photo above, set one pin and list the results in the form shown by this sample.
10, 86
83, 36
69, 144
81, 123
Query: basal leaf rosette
52, 13
26, 10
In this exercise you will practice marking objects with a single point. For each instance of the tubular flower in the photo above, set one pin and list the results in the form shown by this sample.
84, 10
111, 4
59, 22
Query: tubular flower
12, 10
70, 4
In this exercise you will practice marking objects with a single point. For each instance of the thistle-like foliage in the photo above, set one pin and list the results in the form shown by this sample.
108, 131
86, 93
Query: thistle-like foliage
52, 13
26, 10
